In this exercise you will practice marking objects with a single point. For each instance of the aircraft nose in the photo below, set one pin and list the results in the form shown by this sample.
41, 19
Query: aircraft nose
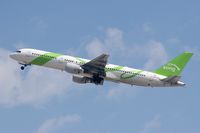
13, 56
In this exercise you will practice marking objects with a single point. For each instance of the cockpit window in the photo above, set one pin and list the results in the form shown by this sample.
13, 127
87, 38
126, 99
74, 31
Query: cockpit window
18, 51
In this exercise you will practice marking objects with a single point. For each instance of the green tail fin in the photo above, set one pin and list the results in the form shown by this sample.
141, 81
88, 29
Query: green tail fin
175, 66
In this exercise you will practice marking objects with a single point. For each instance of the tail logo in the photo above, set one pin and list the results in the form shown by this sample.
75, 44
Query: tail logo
171, 67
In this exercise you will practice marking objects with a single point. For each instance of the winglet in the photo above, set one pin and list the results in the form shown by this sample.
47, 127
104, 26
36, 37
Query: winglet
175, 66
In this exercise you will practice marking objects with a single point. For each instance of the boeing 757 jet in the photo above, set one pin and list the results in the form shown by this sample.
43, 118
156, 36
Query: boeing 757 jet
98, 69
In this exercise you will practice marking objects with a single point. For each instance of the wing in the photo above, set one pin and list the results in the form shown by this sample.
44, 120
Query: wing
96, 66
172, 79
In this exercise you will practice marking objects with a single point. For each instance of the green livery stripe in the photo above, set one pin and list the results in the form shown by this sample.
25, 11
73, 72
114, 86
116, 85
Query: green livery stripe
128, 75
123, 75
43, 59
113, 69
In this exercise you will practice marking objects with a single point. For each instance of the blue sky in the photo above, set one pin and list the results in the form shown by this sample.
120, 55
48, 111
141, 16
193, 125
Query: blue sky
140, 34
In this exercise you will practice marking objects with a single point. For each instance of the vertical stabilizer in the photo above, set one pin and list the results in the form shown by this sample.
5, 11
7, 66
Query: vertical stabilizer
175, 66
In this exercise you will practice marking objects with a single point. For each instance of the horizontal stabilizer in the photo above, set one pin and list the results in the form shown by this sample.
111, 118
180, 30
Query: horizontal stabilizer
172, 79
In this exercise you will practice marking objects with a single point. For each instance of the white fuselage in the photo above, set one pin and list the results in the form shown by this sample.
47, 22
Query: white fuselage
114, 73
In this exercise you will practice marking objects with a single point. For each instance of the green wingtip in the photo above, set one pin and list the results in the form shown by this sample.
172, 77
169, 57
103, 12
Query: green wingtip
175, 66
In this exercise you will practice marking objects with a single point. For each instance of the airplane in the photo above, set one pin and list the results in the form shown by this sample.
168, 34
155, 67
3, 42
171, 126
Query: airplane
98, 69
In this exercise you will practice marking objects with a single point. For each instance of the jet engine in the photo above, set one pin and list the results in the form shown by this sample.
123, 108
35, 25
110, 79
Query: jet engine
84, 80
73, 68
81, 79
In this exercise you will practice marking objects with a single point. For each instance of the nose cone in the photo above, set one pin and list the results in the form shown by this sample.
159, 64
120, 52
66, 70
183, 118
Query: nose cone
13, 56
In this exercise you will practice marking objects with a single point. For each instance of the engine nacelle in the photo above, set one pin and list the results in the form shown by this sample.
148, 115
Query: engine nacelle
73, 68
84, 80
81, 79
